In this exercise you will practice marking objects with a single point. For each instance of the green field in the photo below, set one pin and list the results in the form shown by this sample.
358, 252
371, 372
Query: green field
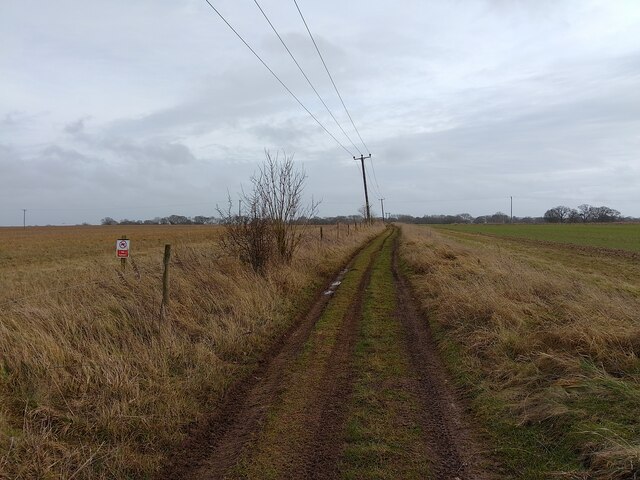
618, 236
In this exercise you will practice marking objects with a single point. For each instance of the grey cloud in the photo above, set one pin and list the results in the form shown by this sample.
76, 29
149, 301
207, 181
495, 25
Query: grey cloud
12, 119
152, 153
287, 133
462, 103
50, 168
17, 119
76, 127
221, 101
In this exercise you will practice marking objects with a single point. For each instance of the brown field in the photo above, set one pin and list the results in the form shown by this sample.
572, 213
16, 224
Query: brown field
251, 374
544, 340
39, 259
92, 383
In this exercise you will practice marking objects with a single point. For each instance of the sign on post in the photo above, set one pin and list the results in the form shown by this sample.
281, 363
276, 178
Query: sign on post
122, 248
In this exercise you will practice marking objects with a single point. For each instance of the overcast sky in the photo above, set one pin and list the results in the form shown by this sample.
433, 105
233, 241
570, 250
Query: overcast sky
136, 109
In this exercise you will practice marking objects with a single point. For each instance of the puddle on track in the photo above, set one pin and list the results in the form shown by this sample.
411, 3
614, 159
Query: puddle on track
336, 283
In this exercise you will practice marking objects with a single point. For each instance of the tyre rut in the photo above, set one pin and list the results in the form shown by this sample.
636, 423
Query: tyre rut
329, 409
288, 419
453, 446
215, 446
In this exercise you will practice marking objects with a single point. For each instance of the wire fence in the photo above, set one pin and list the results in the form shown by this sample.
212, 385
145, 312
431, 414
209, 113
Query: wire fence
327, 233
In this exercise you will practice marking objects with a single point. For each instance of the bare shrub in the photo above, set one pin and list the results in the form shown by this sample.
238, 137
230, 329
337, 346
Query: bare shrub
279, 186
248, 234
275, 218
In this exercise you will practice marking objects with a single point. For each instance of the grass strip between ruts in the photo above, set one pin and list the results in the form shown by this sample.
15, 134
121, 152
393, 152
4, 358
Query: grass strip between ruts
384, 439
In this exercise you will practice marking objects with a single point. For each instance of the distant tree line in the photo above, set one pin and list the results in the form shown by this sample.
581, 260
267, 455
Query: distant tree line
583, 214
204, 220
170, 220
498, 217
561, 214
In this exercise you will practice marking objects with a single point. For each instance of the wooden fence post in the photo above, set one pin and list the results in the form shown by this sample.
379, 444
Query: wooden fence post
123, 261
321, 236
165, 280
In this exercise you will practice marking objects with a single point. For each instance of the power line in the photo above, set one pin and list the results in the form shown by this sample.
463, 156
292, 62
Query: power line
276, 77
305, 75
376, 186
330, 76
373, 169
339, 96
375, 179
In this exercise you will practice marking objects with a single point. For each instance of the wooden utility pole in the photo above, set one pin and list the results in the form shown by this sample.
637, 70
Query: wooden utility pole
24, 218
382, 207
364, 180
511, 208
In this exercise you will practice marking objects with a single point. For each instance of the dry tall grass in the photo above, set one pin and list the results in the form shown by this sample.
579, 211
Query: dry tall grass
92, 384
548, 338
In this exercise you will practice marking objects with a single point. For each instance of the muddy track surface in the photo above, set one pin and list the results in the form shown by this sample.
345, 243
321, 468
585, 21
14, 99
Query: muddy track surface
453, 446
289, 419
214, 447
326, 414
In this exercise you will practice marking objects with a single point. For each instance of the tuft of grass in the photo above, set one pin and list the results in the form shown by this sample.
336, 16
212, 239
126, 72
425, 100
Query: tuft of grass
92, 384
547, 354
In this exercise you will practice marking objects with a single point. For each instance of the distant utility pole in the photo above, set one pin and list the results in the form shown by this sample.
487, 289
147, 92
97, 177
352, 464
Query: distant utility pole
511, 208
239, 208
24, 218
382, 207
364, 180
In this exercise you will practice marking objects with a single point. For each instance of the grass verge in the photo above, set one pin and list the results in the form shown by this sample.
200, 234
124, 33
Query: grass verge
548, 356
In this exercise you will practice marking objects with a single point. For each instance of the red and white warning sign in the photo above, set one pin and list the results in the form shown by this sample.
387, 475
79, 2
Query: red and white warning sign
122, 248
